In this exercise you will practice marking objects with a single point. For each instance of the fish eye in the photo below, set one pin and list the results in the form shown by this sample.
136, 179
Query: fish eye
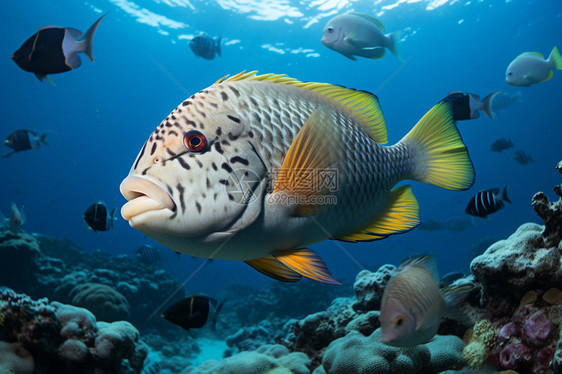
330, 29
398, 321
195, 141
510, 73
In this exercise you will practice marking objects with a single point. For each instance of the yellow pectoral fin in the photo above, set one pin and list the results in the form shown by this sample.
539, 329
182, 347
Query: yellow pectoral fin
549, 76
274, 269
308, 264
310, 155
402, 214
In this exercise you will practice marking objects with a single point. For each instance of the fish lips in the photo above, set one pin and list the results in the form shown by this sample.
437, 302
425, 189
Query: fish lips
143, 195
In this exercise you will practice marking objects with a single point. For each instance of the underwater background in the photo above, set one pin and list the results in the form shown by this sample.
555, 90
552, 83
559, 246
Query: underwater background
100, 114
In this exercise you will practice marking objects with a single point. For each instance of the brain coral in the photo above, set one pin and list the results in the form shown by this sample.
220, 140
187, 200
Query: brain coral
106, 303
268, 359
356, 353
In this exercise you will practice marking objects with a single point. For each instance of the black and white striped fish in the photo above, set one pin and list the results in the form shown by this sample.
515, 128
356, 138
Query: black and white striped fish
148, 254
487, 202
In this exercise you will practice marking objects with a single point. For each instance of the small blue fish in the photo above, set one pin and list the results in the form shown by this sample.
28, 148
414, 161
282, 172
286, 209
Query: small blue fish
501, 145
98, 217
522, 157
206, 47
487, 202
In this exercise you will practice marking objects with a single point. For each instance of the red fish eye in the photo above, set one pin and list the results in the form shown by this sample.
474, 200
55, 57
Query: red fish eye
195, 141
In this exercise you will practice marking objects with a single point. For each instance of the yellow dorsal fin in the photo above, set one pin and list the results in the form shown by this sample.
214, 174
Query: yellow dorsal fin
363, 105
400, 215
275, 269
537, 54
312, 151
308, 264
377, 23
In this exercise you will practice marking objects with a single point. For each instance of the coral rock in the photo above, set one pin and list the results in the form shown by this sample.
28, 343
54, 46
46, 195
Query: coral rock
519, 263
369, 288
356, 353
551, 214
105, 302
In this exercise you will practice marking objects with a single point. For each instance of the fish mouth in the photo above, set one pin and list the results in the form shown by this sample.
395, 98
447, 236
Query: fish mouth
143, 195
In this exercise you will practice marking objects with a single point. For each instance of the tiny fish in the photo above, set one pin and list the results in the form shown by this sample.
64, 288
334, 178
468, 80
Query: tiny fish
55, 49
23, 140
501, 145
458, 224
487, 202
475, 105
15, 221
522, 157
206, 47
193, 312
256, 168
530, 67
355, 34
98, 217
148, 254
412, 304
504, 100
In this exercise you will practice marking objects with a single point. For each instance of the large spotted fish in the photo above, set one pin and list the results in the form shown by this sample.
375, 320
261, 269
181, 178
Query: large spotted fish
258, 167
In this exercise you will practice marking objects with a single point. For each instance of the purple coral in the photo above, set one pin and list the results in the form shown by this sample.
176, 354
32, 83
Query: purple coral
537, 329
515, 356
508, 331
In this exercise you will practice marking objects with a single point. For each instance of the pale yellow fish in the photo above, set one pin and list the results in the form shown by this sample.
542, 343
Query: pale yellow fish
258, 167
412, 305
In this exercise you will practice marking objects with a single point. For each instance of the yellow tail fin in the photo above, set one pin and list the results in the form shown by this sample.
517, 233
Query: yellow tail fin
556, 58
441, 157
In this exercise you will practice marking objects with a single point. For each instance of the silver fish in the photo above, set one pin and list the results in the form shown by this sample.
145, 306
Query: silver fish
531, 67
412, 304
257, 167
355, 34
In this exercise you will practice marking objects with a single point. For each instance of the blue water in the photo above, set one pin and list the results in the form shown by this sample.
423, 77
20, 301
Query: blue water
101, 113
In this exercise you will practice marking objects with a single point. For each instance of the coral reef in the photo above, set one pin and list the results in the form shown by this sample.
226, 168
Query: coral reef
356, 353
268, 359
520, 263
58, 269
106, 303
369, 288
59, 338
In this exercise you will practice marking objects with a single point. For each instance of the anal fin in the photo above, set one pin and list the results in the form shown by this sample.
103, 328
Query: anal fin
274, 269
308, 264
400, 215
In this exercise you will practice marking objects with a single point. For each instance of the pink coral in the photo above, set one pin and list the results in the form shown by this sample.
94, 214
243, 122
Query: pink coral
537, 329
515, 356
508, 331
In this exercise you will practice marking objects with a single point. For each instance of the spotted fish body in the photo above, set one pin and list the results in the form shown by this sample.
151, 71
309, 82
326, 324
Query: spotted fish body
243, 196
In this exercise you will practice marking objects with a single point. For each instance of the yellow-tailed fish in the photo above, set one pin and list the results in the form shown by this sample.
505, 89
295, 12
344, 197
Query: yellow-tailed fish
412, 304
257, 167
